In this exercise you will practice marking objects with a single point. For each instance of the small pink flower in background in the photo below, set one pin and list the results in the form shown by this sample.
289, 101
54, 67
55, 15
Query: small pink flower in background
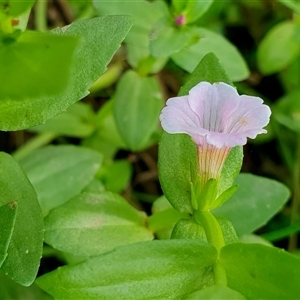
180, 20
217, 118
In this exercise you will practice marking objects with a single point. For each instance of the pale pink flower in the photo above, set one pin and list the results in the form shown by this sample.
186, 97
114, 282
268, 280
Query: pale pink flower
217, 118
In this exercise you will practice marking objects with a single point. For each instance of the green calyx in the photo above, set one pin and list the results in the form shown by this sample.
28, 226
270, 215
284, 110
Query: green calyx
206, 198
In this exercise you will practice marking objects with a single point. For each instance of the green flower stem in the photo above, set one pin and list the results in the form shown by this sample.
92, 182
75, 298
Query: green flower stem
40, 15
215, 237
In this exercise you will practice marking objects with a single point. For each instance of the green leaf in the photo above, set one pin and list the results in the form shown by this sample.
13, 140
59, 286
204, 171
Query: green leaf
14, 8
148, 270
188, 229
10, 290
209, 41
166, 39
116, 176
231, 168
26, 244
58, 173
209, 69
77, 121
7, 223
261, 272
256, 201
278, 48
138, 102
30, 70
289, 77
287, 111
219, 292
106, 139
145, 15
100, 38
292, 4
94, 223
177, 159
163, 218
192, 9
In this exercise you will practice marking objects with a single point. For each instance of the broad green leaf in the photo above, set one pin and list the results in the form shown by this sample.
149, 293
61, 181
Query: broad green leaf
209, 69
30, 70
192, 9
116, 175
138, 102
289, 77
177, 159
58, 173
261, 272
94, 223
145, 15
26, 244
292, 4
100, 38
166, 39
256, 201
10, 290
149, 270
278, 48
7, 221
214, 292
287, 111
77, 121
209, 41
163, 218
12, 8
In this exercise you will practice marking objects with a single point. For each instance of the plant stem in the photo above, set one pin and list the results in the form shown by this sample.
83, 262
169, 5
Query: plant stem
40, 15
36, 142
296, 196
215, 237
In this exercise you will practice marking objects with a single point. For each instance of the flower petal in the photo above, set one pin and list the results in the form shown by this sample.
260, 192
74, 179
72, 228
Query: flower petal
177, 117
216, 114
250, 114
211, 101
